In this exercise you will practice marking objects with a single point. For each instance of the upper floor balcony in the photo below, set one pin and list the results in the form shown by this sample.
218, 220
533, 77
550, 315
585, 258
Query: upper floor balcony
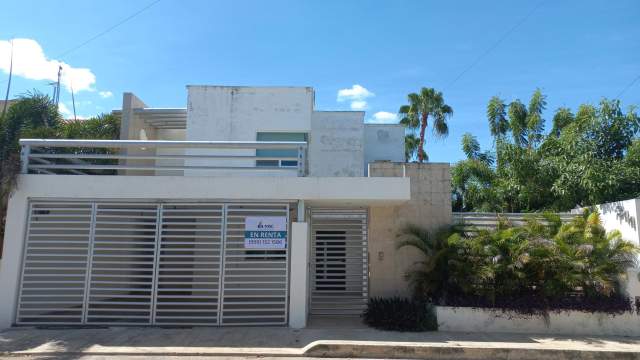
162, 157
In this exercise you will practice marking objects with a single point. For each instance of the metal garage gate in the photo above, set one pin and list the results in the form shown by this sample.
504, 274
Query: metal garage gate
340, 264
150, 264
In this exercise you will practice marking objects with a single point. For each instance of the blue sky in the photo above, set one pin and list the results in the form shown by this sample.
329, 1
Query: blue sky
575, 51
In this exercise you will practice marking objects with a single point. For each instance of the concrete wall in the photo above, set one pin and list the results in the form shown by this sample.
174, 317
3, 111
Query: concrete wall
565, 322
383, 142
298, 282
336, 143
624, 216
228, 113
133, 127
430, 207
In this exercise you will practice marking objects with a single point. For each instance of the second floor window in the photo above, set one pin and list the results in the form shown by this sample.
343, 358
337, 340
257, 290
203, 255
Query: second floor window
271, 154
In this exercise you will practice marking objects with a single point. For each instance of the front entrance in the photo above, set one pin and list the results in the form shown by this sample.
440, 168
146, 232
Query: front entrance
339, 258
150, 263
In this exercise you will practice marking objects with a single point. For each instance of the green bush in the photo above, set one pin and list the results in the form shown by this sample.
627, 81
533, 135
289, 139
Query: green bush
400, 314
539, 266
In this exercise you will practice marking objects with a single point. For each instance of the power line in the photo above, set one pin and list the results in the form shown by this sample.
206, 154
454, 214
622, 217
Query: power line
628, 87
495, 45
102, 33
109, 29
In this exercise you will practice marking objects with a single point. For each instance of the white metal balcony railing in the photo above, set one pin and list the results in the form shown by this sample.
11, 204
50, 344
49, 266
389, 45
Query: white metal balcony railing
157, 157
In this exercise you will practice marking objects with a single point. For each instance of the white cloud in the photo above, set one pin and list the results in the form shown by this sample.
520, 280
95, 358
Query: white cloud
68, 113
105, 94
29, 61
357, 95
64, 110
383, 117
358, 105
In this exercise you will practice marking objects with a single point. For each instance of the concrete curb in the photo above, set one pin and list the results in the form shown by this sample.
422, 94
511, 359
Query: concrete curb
450, 352
358, 349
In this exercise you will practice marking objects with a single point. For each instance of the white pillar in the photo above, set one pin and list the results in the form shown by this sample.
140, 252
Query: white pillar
11, 262
298, 282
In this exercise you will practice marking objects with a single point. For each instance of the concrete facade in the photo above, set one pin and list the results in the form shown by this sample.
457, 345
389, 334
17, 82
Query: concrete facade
336, 143
339, 143
429, 207
381, 143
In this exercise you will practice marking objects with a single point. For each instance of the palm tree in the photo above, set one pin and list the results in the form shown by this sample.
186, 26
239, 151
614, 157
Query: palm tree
411, 143
429, 277
428, 102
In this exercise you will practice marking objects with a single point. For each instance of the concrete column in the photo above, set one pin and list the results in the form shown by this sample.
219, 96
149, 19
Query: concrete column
298, 278
133, 127
11, 262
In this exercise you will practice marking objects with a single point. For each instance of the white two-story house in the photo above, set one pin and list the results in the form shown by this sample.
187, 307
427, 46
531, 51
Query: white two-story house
247, 207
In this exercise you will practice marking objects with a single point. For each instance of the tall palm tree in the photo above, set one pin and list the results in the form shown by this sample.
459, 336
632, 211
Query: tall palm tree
411, 143
428, 102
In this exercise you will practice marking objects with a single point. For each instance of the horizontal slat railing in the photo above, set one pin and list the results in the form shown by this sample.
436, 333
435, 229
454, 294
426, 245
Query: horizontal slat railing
487, 221
159, 157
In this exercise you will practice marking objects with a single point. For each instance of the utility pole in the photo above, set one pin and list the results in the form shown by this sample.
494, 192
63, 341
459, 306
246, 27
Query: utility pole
73, 100
6, 98
56, 90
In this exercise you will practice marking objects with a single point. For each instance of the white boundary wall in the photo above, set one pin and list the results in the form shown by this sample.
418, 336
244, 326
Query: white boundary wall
624, 216
565, 322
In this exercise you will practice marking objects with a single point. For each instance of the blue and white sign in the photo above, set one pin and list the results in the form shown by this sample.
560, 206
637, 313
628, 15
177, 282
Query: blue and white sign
265, 232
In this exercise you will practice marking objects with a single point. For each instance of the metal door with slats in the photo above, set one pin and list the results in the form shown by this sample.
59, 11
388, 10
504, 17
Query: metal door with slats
146, 263
339, 261
122, 264
189, 264
55, 264
255, 286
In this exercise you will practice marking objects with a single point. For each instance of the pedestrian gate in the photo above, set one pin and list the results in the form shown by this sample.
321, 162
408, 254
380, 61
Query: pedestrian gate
119, 263
339, 261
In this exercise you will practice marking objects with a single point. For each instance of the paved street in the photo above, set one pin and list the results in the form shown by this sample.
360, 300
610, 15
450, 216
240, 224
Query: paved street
144, 357
320, 341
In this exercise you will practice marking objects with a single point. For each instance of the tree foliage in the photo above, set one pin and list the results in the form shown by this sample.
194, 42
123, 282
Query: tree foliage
423, 106
34, 115
543, 260
587, 158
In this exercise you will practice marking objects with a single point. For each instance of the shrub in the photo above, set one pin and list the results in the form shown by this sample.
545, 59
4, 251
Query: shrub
400, 314
541, 266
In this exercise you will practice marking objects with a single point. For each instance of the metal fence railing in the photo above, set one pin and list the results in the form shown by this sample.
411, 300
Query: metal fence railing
158, 157
486, 220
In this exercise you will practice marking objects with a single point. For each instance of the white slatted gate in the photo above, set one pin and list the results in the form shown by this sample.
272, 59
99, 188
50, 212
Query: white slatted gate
118, 263
340, 264
55, 264
255, 286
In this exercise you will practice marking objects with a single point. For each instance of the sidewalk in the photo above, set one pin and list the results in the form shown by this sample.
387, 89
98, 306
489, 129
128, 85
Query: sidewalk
319, 340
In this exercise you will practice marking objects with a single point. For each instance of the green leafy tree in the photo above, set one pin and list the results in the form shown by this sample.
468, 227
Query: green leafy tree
496, 114
473, 178
101, 127
585, 159
415, 116
34, 115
